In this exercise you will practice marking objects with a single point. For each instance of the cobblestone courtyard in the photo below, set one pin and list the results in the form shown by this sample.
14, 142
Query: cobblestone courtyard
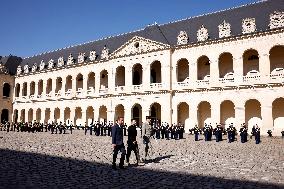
42, 160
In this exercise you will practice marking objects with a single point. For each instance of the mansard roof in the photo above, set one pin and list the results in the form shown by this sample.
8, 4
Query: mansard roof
11, 63
167, 33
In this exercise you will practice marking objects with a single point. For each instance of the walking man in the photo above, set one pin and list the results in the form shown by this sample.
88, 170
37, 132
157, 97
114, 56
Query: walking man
117, 143
132, 143
146, 133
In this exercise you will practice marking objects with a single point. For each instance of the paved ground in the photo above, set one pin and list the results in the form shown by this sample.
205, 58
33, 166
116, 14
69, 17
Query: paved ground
42, 160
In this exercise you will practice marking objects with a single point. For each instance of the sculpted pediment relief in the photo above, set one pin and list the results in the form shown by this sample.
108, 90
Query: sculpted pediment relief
138, 45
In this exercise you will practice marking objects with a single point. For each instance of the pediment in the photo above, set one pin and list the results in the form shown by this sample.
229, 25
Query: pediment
138, 45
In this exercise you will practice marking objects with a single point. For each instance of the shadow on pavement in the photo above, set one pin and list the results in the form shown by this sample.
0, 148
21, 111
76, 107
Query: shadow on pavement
30, 170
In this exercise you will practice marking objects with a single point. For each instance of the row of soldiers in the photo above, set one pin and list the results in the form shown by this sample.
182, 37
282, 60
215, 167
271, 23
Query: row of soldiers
231, 132
166, 131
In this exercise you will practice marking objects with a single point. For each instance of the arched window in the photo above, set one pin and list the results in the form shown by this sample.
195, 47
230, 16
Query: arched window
6, 90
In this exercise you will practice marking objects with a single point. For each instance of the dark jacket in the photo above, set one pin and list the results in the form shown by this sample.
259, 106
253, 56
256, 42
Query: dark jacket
117, 134
132, 133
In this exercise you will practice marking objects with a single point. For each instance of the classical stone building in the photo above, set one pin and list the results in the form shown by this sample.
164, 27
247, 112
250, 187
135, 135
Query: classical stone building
223, 67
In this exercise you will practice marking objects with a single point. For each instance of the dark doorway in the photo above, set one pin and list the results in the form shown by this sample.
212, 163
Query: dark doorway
4, 115
6, 90
136, 78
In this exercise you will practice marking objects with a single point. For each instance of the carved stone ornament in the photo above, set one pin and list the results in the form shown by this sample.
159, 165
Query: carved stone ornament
81, 57
3, 69
26, 69
182, 38
202, 34
276, 20
19, 70
41, 66
60, 61
224, 29
70, 60
34, 68
50, 64
248, 25
92, 55
105, 53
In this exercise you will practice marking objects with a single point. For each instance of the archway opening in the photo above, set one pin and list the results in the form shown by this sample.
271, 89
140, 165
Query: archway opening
68, 85
250, 61
6, 90
183, 112
103, 114
204, 114
17, 90
32, 88
225, 64
78, 116
120, 76
47, 116
48, 86
137, 74
4, 115
58, 84
253, 113
227, 113
57, 115
155, 72
30, 115
137, 113
119, 111
276, 56
40, 87
79, 82
90, 115
22, 116
104, 79
38, 115
24, 90
182, 70
203, 68
278, 114
67, 113
91, 80
155, 112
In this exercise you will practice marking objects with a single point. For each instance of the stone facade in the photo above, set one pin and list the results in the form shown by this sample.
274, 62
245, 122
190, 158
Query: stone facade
233, 79
6, 96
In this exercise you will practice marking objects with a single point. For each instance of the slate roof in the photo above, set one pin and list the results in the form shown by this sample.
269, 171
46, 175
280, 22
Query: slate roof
11, 63
167, 33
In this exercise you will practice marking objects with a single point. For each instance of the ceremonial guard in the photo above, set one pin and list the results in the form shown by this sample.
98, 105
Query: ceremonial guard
86, 128
125, 129
132, 143
231, 131
269, 132
196, 132
218, 133
243, 133
257, 134
163, 130
117, 143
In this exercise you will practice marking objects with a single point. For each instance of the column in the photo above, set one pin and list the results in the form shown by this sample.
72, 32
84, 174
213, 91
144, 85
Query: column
28, 90
127, 115
111, 79
239, 114
42, 116
26, 116
36, 89
193, 117
264, 67
174, 114
266, 115
53, 86
96, 114
214, 71
128, 78
51, 114
63, 86
110, 115
238, 68
84, 114
85, 83
97, 82
146, 76
44, 83
215, 113
62, 115
72, 115
74, 82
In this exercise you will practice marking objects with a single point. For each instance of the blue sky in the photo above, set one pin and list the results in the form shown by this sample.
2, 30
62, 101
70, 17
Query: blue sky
30, 27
